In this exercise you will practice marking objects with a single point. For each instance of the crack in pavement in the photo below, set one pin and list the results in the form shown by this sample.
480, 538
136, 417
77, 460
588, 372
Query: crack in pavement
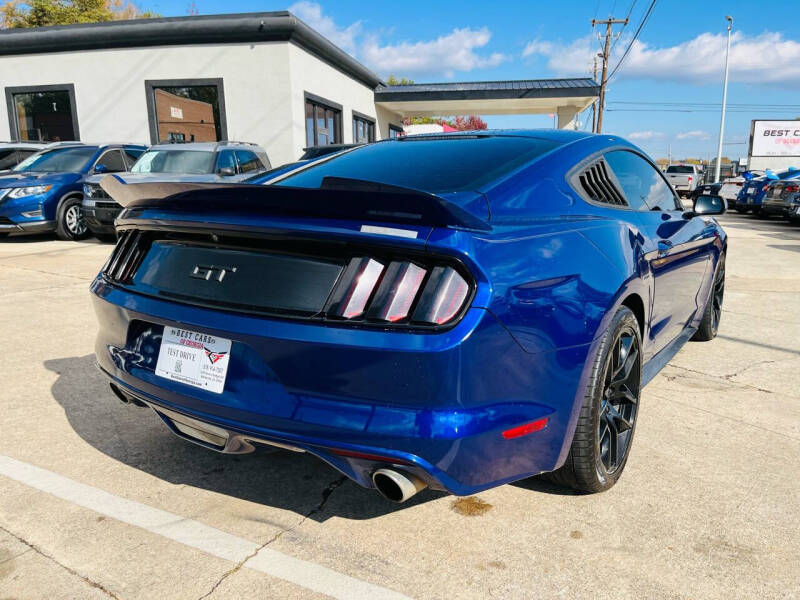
39, 551
724, 416
318, 508
85, 279
727, 378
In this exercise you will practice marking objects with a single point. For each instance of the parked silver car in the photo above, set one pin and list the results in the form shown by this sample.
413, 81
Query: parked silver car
197, 162
684, 178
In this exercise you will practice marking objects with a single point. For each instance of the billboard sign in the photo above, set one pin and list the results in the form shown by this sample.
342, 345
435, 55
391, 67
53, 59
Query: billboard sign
775, 138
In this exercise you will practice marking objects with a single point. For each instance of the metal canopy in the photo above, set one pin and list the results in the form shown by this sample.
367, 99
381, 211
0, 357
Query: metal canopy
533, 96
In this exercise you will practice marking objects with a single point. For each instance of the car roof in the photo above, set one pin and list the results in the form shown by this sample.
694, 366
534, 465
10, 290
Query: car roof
205, 146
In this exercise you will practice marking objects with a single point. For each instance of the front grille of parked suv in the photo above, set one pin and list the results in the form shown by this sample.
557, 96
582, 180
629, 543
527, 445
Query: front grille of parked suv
345, 285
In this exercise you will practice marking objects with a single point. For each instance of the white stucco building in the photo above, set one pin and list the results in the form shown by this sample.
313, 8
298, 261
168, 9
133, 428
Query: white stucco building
266, 78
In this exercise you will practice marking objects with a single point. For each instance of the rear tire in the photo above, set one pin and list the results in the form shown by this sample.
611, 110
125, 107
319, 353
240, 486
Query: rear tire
712, 313
607, 421
70, 222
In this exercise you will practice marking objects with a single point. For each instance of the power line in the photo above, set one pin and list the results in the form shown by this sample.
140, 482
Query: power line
635, 36
627, 18
701, 110
712, 104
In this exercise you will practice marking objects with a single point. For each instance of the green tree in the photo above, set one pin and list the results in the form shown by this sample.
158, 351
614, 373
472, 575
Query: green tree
41, 13
402, 81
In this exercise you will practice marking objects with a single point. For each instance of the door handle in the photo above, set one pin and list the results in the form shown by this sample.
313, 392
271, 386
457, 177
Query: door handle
664, 246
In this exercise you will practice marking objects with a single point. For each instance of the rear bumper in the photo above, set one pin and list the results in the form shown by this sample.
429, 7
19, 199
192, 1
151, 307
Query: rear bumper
775, 208
436, 404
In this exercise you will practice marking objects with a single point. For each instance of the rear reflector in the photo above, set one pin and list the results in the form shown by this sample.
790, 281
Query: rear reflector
531, 427
442, 298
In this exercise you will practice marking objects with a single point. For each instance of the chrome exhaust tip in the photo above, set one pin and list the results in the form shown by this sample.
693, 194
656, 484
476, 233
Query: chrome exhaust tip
396, 485
125, 398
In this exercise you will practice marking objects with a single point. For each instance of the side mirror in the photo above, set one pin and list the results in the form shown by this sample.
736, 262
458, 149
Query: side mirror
706, 205
101, 168
226, 171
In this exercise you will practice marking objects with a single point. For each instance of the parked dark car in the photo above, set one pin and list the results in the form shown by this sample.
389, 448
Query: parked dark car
782, 198
200, 161
457, 311
13, 153
752, 195
706, 189
44, 191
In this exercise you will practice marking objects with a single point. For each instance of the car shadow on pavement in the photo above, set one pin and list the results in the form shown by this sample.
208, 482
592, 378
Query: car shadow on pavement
138, 438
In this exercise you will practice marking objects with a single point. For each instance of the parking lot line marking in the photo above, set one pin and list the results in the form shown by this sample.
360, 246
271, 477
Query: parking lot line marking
196, 535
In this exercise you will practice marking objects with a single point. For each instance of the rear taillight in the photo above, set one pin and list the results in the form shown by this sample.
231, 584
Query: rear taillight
126, 257
690, 179
398, 292
764, 188
791, 188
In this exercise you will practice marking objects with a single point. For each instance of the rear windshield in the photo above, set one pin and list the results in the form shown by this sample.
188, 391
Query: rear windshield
174, 161
680, 169
61, 160
434, 165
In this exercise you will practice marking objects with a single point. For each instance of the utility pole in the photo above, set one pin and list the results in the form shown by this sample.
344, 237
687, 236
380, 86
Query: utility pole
724, 102
601, 102
594, 104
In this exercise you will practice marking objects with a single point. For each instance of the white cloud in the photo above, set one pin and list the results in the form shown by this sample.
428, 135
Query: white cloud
696, 134
565, 59
764, 58
645, 135
444, 55
311, 13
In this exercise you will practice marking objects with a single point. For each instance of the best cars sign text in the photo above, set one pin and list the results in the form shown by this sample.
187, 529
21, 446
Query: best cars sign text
776, 138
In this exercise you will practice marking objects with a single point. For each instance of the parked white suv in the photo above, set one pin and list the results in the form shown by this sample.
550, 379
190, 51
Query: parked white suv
684, 178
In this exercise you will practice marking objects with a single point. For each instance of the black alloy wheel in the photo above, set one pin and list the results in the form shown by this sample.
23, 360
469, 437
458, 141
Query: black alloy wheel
607, 420
717, 296
619, 401
712, 314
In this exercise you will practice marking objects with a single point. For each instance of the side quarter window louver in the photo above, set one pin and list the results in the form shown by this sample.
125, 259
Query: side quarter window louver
597, 184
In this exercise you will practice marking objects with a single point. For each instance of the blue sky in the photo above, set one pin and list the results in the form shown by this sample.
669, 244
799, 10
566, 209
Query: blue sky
677, 60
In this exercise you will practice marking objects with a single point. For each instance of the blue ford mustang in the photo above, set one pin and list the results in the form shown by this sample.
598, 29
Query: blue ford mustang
456, 311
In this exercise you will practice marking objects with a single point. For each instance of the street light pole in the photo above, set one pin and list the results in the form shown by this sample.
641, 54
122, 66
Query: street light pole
724, 101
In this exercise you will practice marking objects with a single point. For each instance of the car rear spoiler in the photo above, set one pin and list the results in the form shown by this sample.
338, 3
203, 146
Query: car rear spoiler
337, 198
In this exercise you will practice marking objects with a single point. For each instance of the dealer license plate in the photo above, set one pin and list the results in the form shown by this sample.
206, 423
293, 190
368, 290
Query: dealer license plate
193, 358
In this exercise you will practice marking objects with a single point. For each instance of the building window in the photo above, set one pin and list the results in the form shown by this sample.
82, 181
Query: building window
363, 129
186, 110
323, 121
395, 131
43, 113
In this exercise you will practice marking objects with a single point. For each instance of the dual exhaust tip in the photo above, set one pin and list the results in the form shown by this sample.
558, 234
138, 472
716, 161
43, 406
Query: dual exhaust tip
397, 486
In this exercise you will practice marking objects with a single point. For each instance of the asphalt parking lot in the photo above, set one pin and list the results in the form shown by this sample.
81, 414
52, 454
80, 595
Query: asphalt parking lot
99, 500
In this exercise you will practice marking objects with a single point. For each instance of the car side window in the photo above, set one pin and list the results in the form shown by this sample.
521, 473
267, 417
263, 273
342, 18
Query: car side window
643, 185
226, 159
248, 161
132, 155
112, 161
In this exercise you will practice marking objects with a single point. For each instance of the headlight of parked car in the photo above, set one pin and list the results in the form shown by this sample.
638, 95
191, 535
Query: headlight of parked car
32, 190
